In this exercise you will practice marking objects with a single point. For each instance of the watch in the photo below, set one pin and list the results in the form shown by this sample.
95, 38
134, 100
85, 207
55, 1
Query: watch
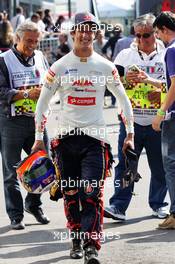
25, 94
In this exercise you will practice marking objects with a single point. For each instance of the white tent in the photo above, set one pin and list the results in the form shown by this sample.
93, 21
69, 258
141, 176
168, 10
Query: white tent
109, 9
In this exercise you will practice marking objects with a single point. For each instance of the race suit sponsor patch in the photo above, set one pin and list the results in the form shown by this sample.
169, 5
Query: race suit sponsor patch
83, 101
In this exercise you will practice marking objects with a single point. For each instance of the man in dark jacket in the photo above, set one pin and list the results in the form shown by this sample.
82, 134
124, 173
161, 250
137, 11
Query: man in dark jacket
21, 72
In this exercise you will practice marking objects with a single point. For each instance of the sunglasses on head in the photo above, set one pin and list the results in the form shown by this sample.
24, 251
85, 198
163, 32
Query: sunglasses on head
144, 35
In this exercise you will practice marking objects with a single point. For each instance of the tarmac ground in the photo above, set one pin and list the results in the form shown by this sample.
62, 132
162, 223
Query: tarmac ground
136, 241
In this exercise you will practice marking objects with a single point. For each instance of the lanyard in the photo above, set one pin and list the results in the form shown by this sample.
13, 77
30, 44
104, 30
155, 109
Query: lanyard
142, 58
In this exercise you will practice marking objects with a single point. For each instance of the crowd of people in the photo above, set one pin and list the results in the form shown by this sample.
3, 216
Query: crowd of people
45, 24
138, 70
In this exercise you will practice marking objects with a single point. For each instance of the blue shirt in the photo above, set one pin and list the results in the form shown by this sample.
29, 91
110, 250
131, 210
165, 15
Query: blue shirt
170, 67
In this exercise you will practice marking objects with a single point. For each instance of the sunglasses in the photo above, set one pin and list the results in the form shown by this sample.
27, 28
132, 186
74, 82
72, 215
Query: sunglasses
144, 35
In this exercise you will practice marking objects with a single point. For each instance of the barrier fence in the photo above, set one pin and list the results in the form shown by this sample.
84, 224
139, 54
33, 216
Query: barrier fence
49, 47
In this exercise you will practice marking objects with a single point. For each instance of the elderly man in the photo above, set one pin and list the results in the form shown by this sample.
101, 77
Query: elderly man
82, 151
142, 67
21, 77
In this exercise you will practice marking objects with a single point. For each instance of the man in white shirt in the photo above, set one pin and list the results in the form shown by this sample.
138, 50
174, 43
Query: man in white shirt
143, 67
81, 149
18, 19
99, 42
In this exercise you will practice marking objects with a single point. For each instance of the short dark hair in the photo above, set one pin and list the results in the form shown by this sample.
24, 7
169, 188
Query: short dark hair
35, 15
165, 19
46, 12
19, 9
40, 12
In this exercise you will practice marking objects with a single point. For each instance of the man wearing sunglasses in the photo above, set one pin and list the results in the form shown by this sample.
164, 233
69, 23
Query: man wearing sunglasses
144, 35
141, 68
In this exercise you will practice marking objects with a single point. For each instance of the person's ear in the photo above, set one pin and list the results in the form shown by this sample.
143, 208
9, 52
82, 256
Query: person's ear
72, 33
17, 38
164, 29
95, 36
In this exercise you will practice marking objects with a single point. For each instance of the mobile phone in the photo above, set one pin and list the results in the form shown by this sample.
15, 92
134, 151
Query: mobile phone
134, 68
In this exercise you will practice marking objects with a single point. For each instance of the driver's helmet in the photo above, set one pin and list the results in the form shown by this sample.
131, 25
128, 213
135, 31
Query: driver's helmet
36, 172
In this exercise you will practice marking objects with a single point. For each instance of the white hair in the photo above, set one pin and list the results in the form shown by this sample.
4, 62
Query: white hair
26, 26
144, 20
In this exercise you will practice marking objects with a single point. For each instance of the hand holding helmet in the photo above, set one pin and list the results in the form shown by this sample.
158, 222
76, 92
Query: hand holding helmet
36, 172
